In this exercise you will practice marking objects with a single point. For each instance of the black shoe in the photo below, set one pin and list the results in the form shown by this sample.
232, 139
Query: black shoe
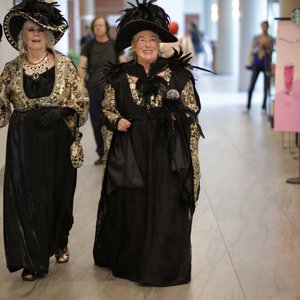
28, 275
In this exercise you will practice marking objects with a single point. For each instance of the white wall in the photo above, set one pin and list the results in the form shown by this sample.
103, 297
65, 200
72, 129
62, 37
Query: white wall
175, 10
63, 44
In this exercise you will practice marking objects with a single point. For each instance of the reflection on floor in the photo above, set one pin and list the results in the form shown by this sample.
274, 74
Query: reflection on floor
246, 230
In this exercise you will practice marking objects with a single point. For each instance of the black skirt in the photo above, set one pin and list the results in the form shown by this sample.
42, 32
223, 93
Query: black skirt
144, 225
39, 185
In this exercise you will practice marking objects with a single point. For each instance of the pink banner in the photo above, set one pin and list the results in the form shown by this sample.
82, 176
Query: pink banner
287, 78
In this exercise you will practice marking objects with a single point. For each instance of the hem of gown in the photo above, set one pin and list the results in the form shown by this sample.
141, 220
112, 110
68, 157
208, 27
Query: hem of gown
144, 281
16, 269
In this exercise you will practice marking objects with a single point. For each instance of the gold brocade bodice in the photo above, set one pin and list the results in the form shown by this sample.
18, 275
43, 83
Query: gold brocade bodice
68, 90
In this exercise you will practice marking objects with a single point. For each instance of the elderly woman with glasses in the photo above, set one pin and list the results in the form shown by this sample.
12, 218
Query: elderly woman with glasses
152, 177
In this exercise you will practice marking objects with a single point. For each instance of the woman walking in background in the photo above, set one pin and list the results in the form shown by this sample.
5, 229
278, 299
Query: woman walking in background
261, 51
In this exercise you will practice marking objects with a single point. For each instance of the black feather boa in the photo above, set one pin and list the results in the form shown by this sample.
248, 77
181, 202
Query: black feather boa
149, 86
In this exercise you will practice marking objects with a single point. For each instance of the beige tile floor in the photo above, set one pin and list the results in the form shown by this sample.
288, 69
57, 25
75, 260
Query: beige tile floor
246, 230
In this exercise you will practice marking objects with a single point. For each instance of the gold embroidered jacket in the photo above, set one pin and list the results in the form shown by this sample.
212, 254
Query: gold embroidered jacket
68, 91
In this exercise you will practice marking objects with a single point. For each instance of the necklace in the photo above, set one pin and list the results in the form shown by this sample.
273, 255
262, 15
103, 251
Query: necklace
35, 69
38, 62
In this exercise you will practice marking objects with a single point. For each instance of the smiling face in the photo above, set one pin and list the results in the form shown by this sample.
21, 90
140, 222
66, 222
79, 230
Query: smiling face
35, 37
146, 46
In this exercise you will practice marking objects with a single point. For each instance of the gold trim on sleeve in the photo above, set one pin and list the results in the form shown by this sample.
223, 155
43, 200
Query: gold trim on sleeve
194, 141
109, 105
189, 98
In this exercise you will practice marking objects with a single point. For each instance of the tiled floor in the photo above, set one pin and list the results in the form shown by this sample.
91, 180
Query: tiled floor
246, 230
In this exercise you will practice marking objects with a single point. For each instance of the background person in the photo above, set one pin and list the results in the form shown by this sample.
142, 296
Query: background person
261, 50
47, 94
185, 42
94, 56
152, 176
197, 38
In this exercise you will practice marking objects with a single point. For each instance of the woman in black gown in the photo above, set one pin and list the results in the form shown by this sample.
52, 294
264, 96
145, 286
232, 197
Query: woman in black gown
47, 96
151, 181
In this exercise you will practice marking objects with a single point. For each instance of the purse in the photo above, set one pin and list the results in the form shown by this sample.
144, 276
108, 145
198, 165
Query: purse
76, 149
250, 60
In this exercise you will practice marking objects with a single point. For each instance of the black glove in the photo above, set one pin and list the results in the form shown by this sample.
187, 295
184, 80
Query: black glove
54, 115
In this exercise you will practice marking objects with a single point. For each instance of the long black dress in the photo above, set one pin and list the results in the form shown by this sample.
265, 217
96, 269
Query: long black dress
39, 184
151, 180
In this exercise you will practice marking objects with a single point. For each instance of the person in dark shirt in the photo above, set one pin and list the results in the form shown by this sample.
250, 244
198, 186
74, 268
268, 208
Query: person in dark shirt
94, 56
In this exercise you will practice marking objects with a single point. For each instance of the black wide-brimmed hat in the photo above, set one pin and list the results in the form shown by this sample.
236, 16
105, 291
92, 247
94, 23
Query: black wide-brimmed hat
143, 16
46, 15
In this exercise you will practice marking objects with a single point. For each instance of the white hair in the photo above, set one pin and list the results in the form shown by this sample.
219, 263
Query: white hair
22, 46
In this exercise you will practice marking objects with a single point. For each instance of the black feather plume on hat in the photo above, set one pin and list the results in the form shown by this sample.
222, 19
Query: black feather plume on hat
145, 11
143, 16
45, 14
48, 14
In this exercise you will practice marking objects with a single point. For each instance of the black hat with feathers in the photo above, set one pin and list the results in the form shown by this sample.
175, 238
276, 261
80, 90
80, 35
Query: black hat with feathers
46, 15
143, 16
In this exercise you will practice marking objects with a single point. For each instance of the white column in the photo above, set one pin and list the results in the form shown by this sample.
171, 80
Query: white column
77, 25
210, 27
252, 14
224, 46
87, 11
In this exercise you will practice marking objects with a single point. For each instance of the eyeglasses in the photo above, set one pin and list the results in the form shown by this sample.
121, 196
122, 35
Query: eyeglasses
143, 41
35, 29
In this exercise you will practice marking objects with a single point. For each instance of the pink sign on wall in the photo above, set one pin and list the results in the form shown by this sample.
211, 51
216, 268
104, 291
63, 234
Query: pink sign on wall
287, 78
